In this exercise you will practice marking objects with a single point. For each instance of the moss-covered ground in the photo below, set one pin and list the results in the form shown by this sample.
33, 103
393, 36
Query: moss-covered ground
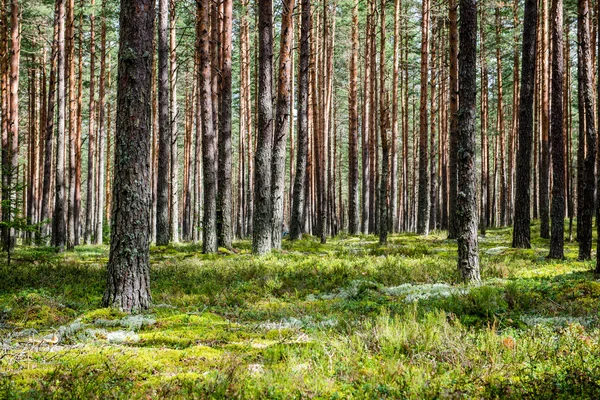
348, 319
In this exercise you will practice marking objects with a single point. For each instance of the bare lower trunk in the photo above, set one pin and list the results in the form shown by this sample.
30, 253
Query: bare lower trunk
468, 257
128, 277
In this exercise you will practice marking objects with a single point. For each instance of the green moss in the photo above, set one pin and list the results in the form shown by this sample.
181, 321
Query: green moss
312, 320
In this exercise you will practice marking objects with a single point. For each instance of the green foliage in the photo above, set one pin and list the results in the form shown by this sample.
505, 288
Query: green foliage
345, 319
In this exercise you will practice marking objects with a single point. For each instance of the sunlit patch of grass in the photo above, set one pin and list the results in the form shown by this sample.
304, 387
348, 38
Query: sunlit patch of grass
349, 318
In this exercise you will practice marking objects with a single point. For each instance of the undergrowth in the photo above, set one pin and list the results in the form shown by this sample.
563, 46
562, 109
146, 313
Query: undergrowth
349, 319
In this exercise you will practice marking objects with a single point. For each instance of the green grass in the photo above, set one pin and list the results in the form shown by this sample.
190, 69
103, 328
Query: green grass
348, 319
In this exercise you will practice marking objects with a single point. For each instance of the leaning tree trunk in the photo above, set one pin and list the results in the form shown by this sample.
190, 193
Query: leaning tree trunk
297, 216
557, 239
261, 234
128, 278
522, 218
164, 127
282, 122
466, 203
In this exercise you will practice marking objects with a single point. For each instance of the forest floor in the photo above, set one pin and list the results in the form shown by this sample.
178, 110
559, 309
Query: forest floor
348, 319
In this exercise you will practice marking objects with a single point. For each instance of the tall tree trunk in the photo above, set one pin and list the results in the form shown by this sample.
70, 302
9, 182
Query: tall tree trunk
59, 228
90, 198
282, 121
353, 210
545, 147
300, 189
72, 161
101, 131
468, 257
394, 145
366, 165
49, 128
485, 170
164, 126
9, 209
557, 135
423, 209
261, 234
174, 135
224, 198
384, 124
433, 172
209, 224
501, 130
128, 278
522, 220
589, 183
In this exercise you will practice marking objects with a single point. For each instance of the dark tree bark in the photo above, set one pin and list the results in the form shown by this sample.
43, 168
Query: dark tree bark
209, 145
557, 239
224, 198
59, 227
261, 234
282, 122
164, 127
423, 206
522, 220
297, 217
466, 203
128, 278
589, 183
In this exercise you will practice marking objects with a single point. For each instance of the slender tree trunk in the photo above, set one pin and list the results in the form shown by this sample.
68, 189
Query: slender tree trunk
282, 121
589, 183
174, 134
300, 188
468, 257
164, 126
209, 225
128, 278
557, 135
9, 209
545, 148
101, 131
353, 210
90, 198
261, 234
501, 131
423, 209
59, 228
522, 220
72, 161
224, 198
49, 127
